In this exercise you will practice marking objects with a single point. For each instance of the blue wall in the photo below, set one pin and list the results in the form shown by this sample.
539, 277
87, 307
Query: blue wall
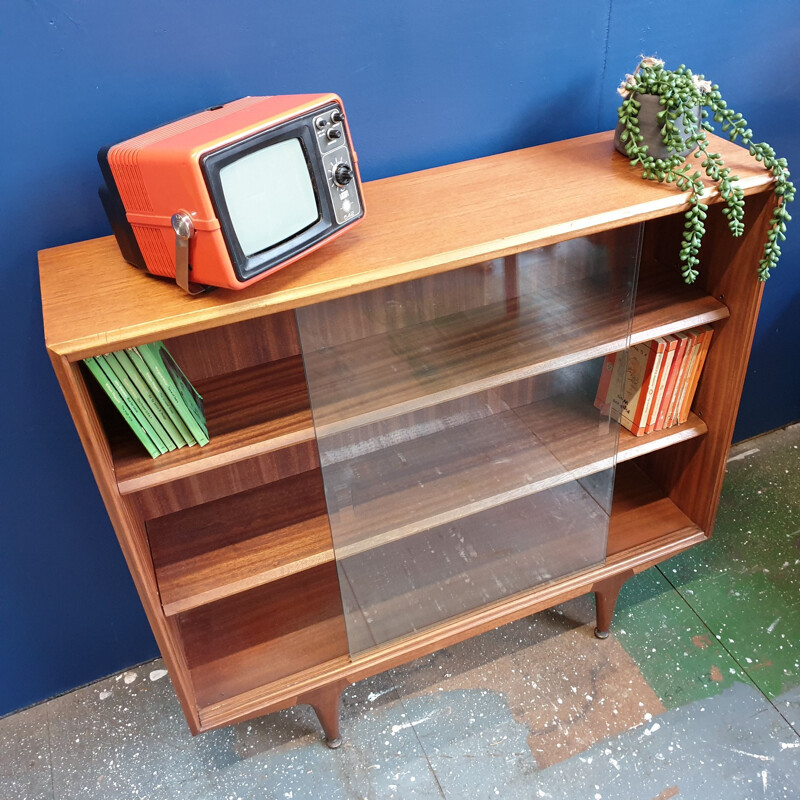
424, 84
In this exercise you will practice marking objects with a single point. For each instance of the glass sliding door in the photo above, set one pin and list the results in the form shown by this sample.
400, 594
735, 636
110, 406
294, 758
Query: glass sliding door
463, 455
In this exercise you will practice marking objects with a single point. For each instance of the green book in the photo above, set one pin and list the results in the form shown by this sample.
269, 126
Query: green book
116, 399
114, 373
180, 391
141, 366
159, 432
170, 430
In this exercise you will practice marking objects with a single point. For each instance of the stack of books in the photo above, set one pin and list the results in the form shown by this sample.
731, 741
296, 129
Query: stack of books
653, 388
153, 395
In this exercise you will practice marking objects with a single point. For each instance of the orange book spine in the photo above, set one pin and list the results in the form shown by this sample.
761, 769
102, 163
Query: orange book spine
692, 350
682, 340
637, 410
601, 399
694, 379
661, 383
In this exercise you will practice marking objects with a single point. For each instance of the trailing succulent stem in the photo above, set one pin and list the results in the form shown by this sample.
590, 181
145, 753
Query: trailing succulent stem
681, 94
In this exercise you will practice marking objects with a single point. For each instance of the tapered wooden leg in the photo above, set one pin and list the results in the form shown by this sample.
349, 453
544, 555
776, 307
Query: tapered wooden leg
605, 595
326, 702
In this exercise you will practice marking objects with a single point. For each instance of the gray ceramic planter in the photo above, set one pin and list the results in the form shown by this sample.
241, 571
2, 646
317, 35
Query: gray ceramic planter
651, 128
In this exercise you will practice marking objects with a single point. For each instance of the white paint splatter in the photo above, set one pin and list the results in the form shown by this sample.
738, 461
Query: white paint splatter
373, 696
741, 456
157, 674
758, 756
772, 627
787, 745
404, 725
655, 727
130, 677
105, 694
764, 779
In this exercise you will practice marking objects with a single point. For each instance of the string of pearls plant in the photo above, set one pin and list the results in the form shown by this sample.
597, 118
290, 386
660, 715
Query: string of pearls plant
683, 129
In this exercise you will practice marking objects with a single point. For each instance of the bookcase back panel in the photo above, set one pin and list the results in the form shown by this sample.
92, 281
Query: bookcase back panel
463, 458
229, 348
484, 285
253, 638
214, 484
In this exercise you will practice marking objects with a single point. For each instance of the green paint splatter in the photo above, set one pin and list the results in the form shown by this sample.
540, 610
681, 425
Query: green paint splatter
745, 582
678, 656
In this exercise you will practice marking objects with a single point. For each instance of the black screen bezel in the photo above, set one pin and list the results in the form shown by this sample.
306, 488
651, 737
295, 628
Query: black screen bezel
246, 267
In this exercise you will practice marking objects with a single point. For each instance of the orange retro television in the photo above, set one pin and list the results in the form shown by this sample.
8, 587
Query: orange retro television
228, 196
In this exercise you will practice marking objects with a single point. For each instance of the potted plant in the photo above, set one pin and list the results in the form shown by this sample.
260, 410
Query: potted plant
663, 117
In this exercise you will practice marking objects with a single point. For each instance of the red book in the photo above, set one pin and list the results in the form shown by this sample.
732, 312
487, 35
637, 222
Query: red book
671, 387
601, 399
661, 384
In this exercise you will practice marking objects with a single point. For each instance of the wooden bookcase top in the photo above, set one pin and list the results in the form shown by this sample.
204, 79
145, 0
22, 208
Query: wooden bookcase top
416, 224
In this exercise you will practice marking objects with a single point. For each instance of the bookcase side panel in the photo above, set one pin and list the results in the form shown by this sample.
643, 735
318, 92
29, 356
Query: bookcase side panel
692, 473
127, 525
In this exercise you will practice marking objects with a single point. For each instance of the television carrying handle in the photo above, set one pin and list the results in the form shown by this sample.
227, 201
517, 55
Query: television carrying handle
184, 230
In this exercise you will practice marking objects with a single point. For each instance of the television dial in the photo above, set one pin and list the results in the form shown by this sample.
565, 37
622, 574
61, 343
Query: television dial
337, 116
342, 174
334, 133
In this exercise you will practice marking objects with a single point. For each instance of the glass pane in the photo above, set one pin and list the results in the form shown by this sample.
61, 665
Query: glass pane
462, 455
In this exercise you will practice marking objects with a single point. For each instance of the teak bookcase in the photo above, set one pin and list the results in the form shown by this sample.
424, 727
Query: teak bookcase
230, 545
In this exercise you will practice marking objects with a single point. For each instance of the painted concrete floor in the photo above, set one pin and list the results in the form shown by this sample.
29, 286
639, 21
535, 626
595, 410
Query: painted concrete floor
695, 696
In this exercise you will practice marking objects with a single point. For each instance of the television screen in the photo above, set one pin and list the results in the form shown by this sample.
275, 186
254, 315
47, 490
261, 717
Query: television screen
261, 216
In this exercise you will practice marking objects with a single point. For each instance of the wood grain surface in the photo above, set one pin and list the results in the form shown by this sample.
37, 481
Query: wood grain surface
411, 487
94, 302
645, 528
229, 545
256, 410
385, 375
257, 637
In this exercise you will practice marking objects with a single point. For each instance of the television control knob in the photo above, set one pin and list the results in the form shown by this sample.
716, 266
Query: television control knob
342, 174
337, 116
333, 133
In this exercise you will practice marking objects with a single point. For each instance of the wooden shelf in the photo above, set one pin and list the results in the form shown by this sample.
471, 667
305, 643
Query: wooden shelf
645, 526
249, 412
251, 639
409, 584
223, 547
519, 549
642, 515
562, 427
414, 486
265, 408
218, 549
366, 381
